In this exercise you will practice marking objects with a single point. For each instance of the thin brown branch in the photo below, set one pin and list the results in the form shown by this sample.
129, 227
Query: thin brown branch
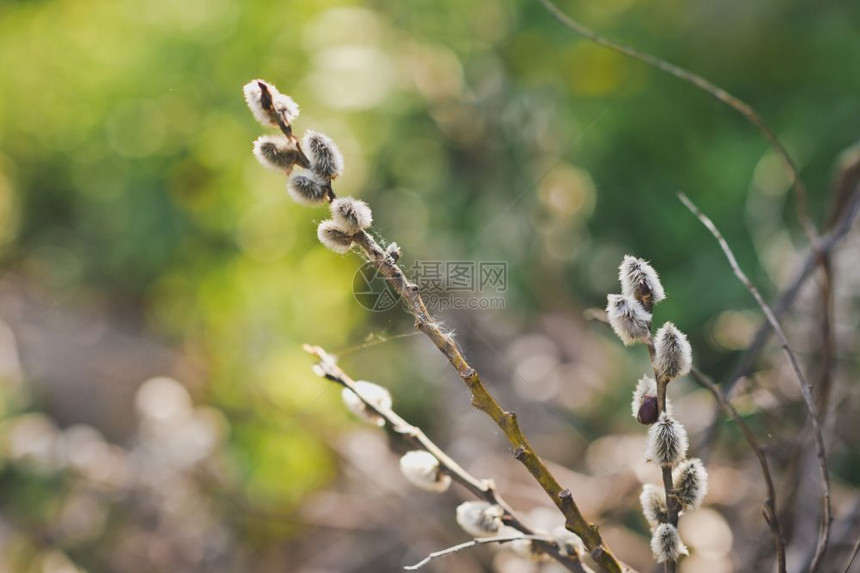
824, 532
717, 92
852, 556
769, 510
472, 543
485, 402
842, 225
483, 489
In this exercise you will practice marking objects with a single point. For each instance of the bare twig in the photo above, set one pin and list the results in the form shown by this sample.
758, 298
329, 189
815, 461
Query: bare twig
472, 543
719, 93
852, 556
483, 489
842, 225
769, 511
824, 531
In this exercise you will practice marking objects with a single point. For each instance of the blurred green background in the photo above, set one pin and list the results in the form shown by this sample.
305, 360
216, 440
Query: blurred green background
140, 239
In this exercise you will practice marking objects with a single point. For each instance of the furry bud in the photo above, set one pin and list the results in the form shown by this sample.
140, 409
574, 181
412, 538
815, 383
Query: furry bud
690, 482
667, 441
306, 189
276, 152
393, 251
479, 518
268, 105
653, 501
644, 403
330, 235
666, 543
640, 281
351, 215
673, 356
630, 321
373, 393
326, 160
421, 469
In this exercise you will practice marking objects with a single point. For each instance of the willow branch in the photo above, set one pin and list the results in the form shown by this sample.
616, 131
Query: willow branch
467, 545
483, 489
673, 506
769, 510
486, 403
852, 556
707, 86
824, 531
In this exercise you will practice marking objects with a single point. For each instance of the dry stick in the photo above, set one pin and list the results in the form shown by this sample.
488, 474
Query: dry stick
852, 556
824, 532
719, 93
841, 228
467, 545
769, 510
485, 402
484, 489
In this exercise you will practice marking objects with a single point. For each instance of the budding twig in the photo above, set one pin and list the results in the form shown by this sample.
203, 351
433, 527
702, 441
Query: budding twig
483, 489
325, 162
824, 531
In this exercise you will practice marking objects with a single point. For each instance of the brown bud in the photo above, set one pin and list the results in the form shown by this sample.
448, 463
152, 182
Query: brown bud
648, 411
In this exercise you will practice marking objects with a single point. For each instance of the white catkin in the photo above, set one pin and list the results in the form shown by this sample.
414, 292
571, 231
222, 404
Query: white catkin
690, 482
666, 543
646, 386
283, 106
421, 469
330, 235
373, 393
479, 518
639, 278
326, 159
351, 215
306, 189
630, 321
653, 500
276, 152
667, 441
673, 356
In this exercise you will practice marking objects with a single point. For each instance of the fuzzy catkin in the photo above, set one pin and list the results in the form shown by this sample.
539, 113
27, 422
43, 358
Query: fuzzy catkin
305, 189
673, 356
276, 153
282, 106
326, 159
421, 469
667, 441
653, 501
479, 518
666, 543
690, 482
644, 404
351, 215
331, 235
639, 280
627, 317
373, 393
